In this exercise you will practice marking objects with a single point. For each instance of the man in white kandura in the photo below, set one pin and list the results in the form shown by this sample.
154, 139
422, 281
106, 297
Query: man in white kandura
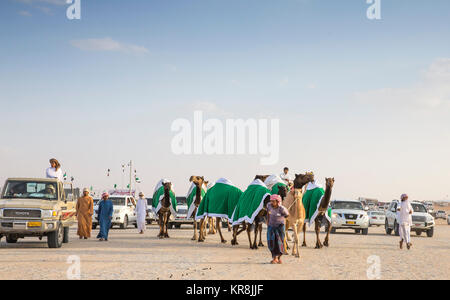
404, 216
54, 171
141, 213
285, 176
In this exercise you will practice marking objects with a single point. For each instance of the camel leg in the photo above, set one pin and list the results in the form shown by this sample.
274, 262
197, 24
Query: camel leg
326, 242
201, 237
317, 228
161, 225
234, 240
288, 238
195, 237
295, 249
167, 218
304, 235
260, 227
255, 246
229, 226
249, 230
218, 221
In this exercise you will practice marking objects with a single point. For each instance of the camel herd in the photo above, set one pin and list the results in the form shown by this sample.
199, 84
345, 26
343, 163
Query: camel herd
292, 199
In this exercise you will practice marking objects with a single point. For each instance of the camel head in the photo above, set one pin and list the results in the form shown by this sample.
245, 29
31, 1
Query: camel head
282, 191
261, 177
166, 200
329, 182
302, 179
197, 180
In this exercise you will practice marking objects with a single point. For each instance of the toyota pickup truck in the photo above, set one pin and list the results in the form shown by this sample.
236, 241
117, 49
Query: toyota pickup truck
37, 208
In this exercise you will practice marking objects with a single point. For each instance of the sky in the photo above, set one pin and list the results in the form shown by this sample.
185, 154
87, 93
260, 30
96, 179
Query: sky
364, 101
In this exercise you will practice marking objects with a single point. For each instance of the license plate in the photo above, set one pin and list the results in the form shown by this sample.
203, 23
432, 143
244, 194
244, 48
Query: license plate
34, 224
351, 222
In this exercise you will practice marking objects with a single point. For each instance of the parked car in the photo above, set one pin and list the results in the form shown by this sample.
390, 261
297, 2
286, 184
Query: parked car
421, 219
349, 214
440, 214
181, 217
124, 212
150, 214
37, 208
376, 218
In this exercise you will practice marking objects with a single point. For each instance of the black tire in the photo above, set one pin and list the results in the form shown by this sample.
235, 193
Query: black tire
333, 230
55, 238
11, 239
170, 226
178, 226
357, 231
124, 225
365, 231
135, 225
386, 227
430, 232
94, 227
396, 229
418, 232
66, 235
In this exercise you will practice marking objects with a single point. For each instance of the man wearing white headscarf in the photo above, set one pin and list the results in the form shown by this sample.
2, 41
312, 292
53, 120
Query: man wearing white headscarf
141, 213
404, 212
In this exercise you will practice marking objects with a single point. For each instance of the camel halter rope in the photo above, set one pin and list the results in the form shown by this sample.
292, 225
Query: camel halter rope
295, 200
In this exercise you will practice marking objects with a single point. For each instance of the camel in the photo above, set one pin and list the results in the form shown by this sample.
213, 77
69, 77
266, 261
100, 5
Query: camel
199, 181
294, 205
323, 209
203, 222
211, 225
164, 212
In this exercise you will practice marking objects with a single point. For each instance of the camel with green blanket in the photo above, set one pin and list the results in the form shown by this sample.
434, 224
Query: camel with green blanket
194, 197
316, 202
164, 205
250, 212
219, 202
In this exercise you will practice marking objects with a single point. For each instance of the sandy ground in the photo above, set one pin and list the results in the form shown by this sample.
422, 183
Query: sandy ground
131, 256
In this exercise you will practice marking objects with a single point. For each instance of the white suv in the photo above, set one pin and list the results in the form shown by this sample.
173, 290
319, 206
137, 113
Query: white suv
349, 214
124, 211
421, 219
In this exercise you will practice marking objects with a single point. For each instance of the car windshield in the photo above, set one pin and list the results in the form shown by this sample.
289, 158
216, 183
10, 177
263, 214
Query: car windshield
182, 211
419, 208
118, 201
30, 190
347, 205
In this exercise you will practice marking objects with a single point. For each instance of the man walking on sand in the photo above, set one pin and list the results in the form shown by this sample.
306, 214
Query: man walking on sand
85, 210
404, 212
105, 212
141, 213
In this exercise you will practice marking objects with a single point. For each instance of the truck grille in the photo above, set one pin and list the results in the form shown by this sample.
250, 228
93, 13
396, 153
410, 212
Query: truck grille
350, 216
418, 219
21, 213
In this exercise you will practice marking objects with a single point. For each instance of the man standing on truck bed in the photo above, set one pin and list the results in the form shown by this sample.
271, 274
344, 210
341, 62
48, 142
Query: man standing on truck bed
54, 171
85, 210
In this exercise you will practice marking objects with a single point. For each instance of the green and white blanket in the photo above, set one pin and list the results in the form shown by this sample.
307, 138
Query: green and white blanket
158, 195
190, 198
250, 203
219, 201
311, 201
273, 183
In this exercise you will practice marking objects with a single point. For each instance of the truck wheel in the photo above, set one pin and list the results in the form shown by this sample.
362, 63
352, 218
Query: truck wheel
11, 239
430, 232
357, 231
365, 231
333, 230
418, 232
178, 226
386, 227
135, 225
94, 226
55, 238
66, 235
396, 229
124, 225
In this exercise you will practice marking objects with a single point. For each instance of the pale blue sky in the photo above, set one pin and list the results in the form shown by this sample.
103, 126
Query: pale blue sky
367, 102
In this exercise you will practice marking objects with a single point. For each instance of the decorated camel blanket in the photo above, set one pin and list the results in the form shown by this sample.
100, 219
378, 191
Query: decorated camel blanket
219, 201
250, 203
158, 195
273, 183
311, 201
191, 197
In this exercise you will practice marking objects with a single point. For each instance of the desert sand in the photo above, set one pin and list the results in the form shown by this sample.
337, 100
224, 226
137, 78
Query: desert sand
129, 255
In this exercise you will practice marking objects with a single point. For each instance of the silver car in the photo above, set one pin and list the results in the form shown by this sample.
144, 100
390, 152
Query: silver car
376, 218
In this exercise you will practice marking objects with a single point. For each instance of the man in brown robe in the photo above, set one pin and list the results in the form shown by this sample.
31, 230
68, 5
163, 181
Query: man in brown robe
85, 210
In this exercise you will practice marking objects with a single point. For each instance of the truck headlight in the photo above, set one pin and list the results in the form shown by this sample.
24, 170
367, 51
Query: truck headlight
49, 213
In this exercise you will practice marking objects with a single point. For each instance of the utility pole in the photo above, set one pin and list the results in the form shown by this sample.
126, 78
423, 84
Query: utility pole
131, 168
